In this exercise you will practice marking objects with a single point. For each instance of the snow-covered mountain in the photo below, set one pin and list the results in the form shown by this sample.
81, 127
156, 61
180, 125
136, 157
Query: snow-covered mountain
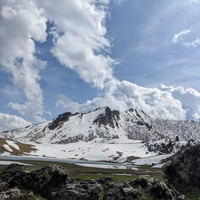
106, 124
102, 135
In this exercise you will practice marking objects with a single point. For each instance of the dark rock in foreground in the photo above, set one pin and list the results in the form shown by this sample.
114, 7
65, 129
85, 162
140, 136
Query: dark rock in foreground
120, 191
53, 183
184, 168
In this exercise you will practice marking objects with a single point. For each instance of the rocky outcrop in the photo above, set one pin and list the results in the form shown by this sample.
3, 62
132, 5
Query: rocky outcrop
16, 194
141, 181
84, 190
110, 117
109, 124
162, 191
60, 120
185, 167
122, 191
53, 183
139, 188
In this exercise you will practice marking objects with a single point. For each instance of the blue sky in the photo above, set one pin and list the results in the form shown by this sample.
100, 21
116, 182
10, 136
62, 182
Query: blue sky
79, 55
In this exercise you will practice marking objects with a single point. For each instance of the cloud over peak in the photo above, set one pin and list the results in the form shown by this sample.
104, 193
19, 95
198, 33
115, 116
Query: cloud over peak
167, 102
8, 122
79, 42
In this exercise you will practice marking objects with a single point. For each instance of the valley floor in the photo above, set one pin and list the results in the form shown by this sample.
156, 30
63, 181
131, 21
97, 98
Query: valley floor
118, 154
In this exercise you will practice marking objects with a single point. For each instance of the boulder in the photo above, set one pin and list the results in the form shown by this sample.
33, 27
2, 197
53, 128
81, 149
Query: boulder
84, 190
44, 180
140, 181
105, 180
16, 194
184, 168
121, 191
41, 181
53, 183
162, 191
11, 170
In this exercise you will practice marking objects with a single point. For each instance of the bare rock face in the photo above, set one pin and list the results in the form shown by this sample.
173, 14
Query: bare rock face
84, 190
110, 117
185, 167
60, 120
140, 181
53, 183
163, 191
122, 191
16, 194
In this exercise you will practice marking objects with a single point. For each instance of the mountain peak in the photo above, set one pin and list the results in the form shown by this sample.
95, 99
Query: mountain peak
105, 123
58, 121
109, 117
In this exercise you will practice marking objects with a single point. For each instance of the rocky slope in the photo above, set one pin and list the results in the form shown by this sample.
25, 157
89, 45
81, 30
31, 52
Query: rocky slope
53, 183
107, 124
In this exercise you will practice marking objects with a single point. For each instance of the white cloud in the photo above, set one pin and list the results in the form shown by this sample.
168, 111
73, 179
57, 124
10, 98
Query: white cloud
125, 95
21, 24
189, 98
80, 43
79, 38
194, 43
67, 104
178, 37
9, 122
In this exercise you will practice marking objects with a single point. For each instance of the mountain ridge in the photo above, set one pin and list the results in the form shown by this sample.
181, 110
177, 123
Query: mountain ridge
106, 124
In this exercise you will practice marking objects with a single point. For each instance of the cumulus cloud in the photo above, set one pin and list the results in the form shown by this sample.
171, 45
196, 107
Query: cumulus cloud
8, 122
80, 44
67, 104
189, 98
79, 38
21, 24
166, 102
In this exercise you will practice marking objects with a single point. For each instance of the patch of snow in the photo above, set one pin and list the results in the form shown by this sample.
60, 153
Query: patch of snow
132, 124
94, 150
13, 144
158, 165
108, 166
151, 160
7, 147
13, 162
5, 154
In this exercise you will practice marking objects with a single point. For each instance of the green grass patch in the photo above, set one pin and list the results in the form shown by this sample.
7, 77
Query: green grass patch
36, 197
104, 190
98, 176
76, 170
145, 193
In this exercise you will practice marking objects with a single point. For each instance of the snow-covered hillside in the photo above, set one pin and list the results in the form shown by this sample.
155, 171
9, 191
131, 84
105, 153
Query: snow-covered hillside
103, 135
106, 124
